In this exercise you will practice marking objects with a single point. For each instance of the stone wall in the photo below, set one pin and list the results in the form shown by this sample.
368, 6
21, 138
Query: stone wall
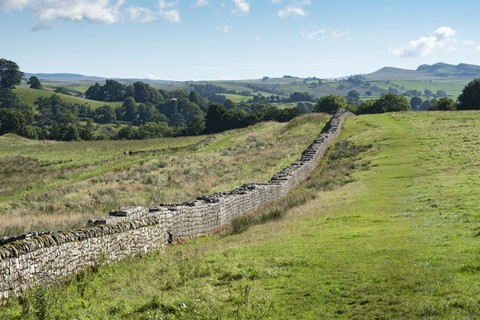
46, 258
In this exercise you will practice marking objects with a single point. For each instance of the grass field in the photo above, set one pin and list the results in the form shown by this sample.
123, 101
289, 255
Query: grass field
388, 232
29, 96
58, 185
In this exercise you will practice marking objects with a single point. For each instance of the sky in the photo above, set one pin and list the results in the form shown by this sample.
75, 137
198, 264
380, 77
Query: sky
235, 39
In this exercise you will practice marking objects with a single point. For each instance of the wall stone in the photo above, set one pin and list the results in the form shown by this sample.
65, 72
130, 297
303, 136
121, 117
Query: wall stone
40, 259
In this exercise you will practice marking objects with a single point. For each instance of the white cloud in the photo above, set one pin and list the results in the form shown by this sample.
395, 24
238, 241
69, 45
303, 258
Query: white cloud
224, 29
241, 7
441, 38
104, 11
13, 4
295, 9
328, 33
170, 15
101, 11
292, 11
141, 14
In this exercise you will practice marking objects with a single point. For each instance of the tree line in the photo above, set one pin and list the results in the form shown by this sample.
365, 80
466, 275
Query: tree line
146, 112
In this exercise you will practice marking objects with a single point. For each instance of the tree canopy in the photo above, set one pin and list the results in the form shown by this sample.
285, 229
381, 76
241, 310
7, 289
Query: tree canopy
331, 103
389, 102
10, 74
444, 104
469, 99
34, 82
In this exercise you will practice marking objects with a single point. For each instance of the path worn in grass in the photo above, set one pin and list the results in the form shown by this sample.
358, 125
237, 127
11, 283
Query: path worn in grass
399, 242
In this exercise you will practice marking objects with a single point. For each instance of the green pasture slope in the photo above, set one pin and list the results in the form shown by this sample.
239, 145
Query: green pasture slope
29, 96
400, 240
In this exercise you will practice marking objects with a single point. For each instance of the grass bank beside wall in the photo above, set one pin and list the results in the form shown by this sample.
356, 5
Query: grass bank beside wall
396, 238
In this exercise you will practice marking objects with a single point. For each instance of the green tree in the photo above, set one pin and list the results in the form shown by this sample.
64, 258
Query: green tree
10, 74
353, 97
113, 91
128, 110
8, 99
441, 93
152, 130
95, 92
127, 133
331, 103
12, 121
389, 102
445, 104
34, 83
215, 118
469, 99
87, 132
147, 113
104, 114
415, 102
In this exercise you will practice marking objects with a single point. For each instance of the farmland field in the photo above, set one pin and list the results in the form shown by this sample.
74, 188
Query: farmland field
399, 240
57, 185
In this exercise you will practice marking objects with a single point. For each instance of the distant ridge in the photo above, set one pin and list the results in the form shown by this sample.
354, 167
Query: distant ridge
64, 77
425, 72
67, 78
435, 71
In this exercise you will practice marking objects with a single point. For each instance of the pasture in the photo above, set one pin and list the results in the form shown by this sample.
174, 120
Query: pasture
389, 231
57, 185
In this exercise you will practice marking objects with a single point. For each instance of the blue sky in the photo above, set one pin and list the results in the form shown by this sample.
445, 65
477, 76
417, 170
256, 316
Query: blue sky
236, 39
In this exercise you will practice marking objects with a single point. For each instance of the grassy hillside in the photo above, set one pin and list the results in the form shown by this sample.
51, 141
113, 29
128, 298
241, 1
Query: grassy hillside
400, 240
58, 185
28, 96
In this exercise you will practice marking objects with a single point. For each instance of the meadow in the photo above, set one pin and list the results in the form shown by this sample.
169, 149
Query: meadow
386, 228
29, 96
50, 185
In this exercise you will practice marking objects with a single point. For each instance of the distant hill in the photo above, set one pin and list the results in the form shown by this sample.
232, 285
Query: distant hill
436, 71
73, 78
64, 77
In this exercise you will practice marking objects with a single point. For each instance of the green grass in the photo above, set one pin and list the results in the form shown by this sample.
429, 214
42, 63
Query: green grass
58, 185
29, 96
399, 240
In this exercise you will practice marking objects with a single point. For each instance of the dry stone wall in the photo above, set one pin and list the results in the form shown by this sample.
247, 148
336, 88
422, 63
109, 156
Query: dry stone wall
42, 259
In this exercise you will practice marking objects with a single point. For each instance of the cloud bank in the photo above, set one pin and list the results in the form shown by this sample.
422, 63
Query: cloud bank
100, 11
441, 38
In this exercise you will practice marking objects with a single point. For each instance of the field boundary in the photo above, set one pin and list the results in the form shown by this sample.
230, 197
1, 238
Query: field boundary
43, 259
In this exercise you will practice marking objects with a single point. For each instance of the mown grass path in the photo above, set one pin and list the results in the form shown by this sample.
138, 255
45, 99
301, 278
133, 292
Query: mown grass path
401, 241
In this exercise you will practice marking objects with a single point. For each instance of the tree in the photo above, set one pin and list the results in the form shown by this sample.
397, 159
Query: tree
353, 97
8, 99
34, 83
147, 113
415, 102
469, 99
445, 104
152, 130
127, 133
104, 114
95, 92
10, 74
441, 93
128, 110
331, 103
113, 91
389, 102
215, 118
12, 120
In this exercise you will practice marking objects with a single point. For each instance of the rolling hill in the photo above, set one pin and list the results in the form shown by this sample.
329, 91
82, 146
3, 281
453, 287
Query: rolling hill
436, 71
